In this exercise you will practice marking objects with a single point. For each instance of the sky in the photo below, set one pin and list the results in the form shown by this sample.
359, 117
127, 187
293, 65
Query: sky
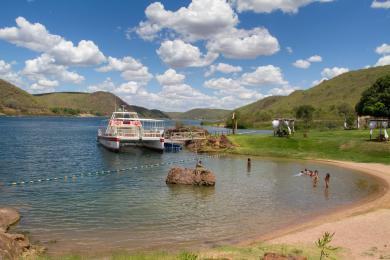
179, 55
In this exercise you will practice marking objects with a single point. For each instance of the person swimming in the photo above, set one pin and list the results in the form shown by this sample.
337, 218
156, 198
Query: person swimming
315, 180
327, 179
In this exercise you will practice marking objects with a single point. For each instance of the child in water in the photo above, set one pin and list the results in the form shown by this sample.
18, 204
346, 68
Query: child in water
327, 178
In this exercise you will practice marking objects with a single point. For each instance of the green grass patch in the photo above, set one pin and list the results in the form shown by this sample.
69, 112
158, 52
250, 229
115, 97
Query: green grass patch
353, 145
254, 252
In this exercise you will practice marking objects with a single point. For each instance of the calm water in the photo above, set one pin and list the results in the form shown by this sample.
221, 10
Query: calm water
136, 209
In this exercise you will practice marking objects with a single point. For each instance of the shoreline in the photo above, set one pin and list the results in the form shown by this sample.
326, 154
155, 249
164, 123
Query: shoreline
369, 216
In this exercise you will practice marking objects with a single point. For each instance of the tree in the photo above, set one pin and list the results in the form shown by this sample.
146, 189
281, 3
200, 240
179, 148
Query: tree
375, 101
305, 112
347, 112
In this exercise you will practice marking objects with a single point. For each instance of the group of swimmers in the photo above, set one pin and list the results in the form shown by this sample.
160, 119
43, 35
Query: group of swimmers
315, 177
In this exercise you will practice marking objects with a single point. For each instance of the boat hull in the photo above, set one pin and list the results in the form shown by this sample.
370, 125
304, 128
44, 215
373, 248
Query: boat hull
111, 143
115, 143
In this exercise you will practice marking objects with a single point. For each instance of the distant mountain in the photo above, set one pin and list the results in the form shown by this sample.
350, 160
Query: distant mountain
14, 101
325, 97
201, 114
99, 103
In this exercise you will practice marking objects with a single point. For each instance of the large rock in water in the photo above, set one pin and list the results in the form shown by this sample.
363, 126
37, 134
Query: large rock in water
8, 217
199, 176
14, 246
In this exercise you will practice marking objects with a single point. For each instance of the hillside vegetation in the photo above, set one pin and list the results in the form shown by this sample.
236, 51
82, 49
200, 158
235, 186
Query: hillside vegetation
15, 101
97, 103
325, 98
201, 114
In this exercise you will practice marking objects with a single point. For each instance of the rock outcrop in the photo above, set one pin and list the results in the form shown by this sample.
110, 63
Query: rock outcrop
8, 217
210, 144
198, 176
14, 246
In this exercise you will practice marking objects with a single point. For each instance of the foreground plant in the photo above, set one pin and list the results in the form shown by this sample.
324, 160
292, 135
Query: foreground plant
324, 245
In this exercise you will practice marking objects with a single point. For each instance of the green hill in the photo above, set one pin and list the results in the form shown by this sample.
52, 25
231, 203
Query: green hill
201, 114
97, 103
15, 101
325, 98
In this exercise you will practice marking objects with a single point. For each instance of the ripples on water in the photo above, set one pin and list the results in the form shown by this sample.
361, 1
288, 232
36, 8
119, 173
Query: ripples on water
136, 209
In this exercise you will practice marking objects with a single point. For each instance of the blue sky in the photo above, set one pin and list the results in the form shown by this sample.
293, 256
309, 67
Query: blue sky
178, 55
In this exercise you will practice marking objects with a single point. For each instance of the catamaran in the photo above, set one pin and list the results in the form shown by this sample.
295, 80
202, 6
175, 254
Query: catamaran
127, 129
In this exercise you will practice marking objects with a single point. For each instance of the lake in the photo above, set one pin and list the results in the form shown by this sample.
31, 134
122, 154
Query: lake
135, 209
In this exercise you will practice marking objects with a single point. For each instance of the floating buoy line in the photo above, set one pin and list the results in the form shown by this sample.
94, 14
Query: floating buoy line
100, 173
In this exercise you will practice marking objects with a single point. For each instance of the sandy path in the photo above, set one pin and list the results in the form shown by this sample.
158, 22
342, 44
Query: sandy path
363, 230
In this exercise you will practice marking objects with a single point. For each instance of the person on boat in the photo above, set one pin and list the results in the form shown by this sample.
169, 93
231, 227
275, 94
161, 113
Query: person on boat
327, 179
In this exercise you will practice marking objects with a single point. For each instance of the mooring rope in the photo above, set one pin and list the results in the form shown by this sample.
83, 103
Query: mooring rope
99, 173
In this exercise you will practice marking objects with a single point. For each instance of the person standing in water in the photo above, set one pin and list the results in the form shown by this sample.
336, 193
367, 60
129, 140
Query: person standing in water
248, 165
327, 179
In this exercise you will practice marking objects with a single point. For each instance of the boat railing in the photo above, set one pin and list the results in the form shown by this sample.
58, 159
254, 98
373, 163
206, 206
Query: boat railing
128, 132
151, 133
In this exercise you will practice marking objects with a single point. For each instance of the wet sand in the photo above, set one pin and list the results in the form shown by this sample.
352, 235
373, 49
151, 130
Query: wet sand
361, 229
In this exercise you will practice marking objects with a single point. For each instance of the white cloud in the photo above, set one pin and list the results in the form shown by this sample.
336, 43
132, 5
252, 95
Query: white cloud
329, 73
302, 64
130, 68
130, 87
244, 44
177, 53
44, 84
264, 76
7, 73
202, 19
305, 64
315, 58
383, 49
317, 82
170, 77
223, 68
5, 67
222, 83
282, 91
106, 85
37, 38
381, 4
289, 50
385, 60
44, 66
268, 6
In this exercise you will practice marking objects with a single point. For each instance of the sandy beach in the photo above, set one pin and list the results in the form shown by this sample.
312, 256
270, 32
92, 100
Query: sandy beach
362, 230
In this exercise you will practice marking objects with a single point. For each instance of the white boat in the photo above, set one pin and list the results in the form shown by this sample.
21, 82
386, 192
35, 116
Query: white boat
127, 129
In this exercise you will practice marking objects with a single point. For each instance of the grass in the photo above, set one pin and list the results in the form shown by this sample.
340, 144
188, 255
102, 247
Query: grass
255, 252
353, 145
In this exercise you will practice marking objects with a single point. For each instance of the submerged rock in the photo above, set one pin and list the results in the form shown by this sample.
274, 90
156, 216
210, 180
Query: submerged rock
198, 176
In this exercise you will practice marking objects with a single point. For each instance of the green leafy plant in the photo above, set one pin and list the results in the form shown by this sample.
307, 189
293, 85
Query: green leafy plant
188, 256
323, 244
